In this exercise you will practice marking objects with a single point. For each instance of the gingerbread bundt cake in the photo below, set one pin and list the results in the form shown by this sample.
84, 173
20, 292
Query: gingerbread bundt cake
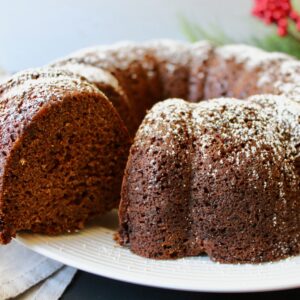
133, 78
63, 151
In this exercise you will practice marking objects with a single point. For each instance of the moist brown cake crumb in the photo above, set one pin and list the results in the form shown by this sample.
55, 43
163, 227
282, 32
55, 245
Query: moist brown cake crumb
63, 153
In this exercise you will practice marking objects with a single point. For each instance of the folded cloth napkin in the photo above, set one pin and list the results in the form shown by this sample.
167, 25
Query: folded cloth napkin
25, 274
29, 275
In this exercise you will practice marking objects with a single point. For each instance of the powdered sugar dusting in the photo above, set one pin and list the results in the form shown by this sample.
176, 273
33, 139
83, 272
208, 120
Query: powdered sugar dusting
119, 55
275, 71
288, 82
260, 131
92, 74
250, 56
45, 82
264, 65
170, 52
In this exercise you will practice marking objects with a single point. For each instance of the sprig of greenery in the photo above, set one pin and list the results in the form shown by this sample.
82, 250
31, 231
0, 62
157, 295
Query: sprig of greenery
289, 44
194, 32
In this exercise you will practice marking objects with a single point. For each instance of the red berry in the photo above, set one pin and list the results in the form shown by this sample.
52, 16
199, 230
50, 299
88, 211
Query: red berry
293, 15
282, 23
276, 12
281, 31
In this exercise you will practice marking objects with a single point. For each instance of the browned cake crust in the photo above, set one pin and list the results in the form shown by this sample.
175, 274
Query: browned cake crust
63, 150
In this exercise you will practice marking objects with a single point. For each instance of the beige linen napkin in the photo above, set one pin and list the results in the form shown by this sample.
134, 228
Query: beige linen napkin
22, 270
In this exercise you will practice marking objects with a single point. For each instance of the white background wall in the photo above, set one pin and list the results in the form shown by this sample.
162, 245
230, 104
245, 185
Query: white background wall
33, 32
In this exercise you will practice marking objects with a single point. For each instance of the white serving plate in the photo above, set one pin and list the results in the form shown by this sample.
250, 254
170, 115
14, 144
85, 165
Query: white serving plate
94, 250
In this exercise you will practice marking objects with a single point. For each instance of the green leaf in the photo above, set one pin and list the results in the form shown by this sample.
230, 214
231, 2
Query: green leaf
188, 29
194, 32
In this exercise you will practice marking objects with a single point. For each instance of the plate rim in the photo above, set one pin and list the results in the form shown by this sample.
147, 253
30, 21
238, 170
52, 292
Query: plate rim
132, 279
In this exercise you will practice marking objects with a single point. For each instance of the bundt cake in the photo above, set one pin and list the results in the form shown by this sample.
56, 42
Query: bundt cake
216, 177
65, 144
63, 152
